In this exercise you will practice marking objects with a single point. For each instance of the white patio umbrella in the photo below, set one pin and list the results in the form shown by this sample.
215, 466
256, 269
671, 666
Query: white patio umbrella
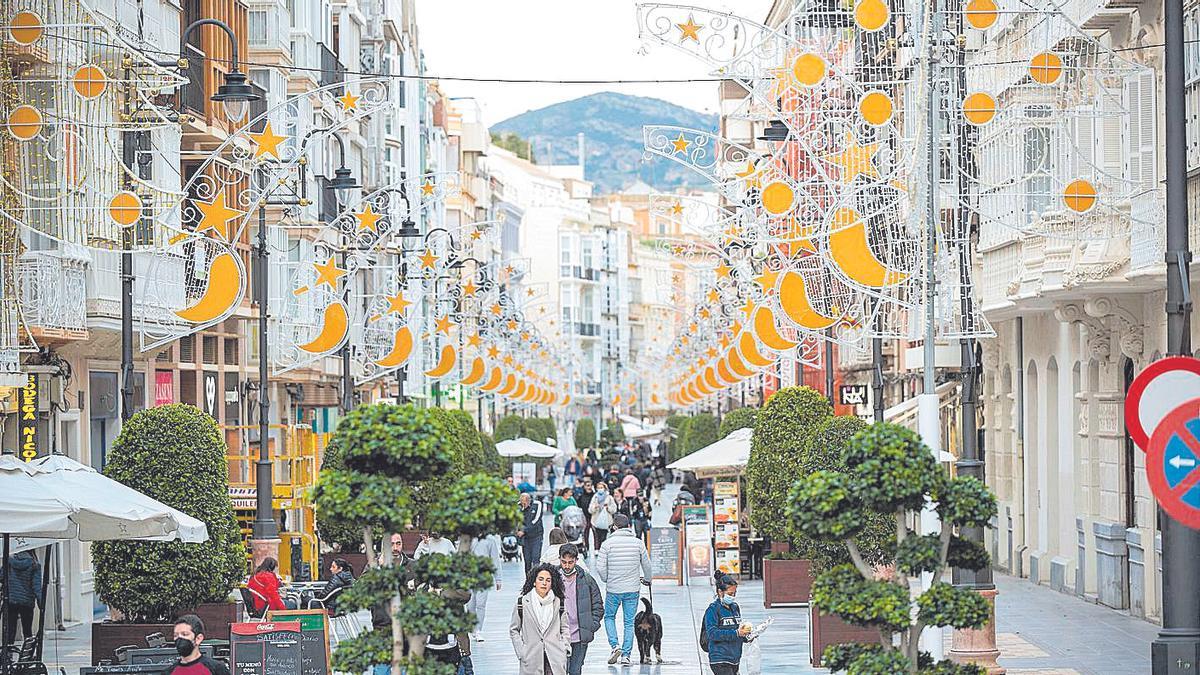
726, 457
106, 509
26, 509
523, 447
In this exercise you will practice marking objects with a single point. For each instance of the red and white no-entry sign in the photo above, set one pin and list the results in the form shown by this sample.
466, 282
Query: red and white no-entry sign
1156, 391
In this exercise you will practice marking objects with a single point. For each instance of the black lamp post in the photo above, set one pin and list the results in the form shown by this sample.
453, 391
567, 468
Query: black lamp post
342, 183
235, 94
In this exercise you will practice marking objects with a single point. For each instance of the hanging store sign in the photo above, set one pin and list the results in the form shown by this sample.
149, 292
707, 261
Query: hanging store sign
853, 394
164, 387
30, 437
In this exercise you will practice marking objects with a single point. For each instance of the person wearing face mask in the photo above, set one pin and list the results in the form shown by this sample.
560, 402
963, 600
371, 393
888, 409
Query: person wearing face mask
584, 603
724, 629
189, 634
603, 507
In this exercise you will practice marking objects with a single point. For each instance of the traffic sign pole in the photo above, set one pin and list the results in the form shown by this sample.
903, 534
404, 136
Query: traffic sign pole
1177, 649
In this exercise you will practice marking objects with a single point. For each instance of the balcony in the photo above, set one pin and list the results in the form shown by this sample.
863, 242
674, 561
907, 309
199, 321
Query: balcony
579, 272
332, 70
53, 295
587, 329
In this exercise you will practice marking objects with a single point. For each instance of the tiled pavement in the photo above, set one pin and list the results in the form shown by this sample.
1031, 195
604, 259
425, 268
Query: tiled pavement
1040, 632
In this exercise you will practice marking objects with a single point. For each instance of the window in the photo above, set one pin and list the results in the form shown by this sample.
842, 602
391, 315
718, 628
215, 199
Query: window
231, 351
257, 22
1140, 103
210, 350
1039, 165
564, 248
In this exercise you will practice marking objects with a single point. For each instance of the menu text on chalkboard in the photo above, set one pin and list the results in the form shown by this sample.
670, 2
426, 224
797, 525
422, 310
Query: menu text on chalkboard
665, 553
269, 648
314, 638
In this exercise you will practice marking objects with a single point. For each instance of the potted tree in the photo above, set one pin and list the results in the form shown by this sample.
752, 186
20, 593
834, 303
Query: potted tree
509, 427
783, 431
175, 454
740, 418
398, 462
889, 470
826, 452
702, 430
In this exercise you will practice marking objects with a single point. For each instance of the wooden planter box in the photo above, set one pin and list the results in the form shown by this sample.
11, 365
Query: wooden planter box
108, 635
786, 582
828, 629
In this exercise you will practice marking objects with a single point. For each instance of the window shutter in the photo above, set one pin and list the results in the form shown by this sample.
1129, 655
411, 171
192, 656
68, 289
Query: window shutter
1140, 103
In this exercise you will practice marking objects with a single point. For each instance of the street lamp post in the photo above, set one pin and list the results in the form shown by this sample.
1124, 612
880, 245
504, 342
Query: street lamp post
1177, 648
342, 183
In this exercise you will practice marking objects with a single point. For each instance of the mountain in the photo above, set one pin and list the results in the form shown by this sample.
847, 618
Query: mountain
612, 127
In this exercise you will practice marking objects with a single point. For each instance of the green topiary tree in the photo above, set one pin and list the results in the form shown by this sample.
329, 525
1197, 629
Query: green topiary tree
335, 531
494, 464
675, 422
175, 454
679, 446
783, 431
741, 418
509, 427
613, 433
889, 470
396, 458
540, 428
702, 431
826, 451
585, 433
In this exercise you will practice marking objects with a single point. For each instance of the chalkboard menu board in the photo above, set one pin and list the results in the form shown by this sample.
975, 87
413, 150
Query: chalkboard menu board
314, 638
270, 648
664, 553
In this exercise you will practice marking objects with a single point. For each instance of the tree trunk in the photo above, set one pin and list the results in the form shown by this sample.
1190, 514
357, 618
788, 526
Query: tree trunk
397, 636
369, 546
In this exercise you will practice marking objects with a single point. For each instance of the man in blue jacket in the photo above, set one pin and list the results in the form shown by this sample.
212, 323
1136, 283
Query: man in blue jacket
723, 626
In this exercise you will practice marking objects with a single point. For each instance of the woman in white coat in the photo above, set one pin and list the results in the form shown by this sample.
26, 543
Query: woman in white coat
538, 629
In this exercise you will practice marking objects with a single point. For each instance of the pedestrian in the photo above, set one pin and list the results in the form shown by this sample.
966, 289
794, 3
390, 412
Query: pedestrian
572, 470
584, 493
24, 581
562, 500
487, 547
434, 542
538, 628
264, 586
585, 606
530, 534
189, 635
630, 484
556, 538
724, 630
603, 507
341, 579
622, 564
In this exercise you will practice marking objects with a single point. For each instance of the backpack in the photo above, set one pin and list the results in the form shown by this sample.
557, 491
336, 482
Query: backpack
704, 630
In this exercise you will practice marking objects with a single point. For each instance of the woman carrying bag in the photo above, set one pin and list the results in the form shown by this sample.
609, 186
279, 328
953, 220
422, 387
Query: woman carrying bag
539, 631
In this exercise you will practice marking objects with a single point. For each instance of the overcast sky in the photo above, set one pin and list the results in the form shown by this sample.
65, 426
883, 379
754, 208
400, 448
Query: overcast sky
557, 39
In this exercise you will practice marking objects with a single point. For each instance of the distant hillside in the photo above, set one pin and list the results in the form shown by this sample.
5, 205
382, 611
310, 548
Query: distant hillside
612, 127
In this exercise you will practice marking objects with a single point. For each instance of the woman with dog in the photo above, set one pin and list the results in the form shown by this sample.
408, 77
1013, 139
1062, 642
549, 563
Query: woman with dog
539, 627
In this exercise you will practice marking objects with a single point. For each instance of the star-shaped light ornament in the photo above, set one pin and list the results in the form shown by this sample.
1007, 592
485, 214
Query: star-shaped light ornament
713, 295
267, 142
397, 304
767, 278
677, 208
492, 351
855, 160
469, 288
348, 101
723, 271
476, 234
215, 215
474, 340
512, 325
749, 307
681, 144
496, 309
368, 219
444, 324
428, 187
428, 260
328, 273
689, 30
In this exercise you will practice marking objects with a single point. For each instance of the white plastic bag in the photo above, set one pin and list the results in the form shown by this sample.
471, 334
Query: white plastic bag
751, 659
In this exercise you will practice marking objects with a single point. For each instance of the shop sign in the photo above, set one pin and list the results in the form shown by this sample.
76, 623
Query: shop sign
30, 438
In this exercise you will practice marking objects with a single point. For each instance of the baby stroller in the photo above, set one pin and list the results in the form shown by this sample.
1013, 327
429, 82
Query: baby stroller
573, 524
510, 549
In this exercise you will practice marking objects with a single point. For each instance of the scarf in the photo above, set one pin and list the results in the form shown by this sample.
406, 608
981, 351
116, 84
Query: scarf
542, 608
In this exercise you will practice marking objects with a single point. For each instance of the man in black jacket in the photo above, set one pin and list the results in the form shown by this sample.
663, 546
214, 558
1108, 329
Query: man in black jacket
531, 530
584, 606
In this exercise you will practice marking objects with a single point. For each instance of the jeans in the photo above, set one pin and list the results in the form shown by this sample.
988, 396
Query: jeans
570, 480
599, 534
629, 603
575, 661
531, 549
15, 613
724, 668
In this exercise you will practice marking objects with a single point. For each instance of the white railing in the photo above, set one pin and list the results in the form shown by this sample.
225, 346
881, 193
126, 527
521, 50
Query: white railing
53, 290
1147, 234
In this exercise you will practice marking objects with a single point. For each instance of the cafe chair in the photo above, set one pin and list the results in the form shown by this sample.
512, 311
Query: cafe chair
328, 602
250, 599
156, 640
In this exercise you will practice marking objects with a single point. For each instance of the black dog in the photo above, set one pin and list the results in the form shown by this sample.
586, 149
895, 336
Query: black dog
647, 627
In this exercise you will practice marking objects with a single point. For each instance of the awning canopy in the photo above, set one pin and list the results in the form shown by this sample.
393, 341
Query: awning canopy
726, 457
524, 447
635, 428
58, 498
